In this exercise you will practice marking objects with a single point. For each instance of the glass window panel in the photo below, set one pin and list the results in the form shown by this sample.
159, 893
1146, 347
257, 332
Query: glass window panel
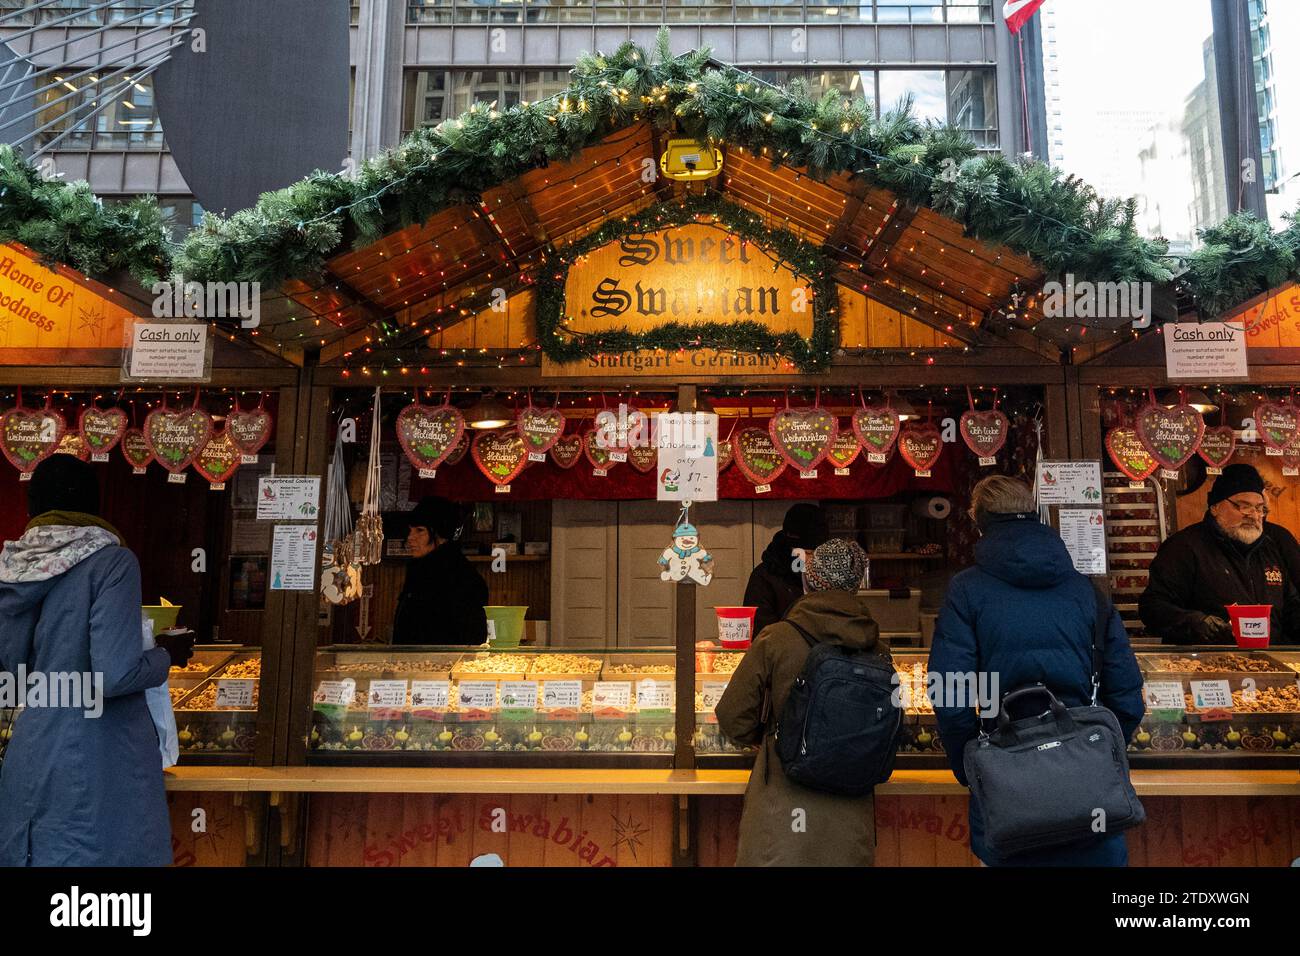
926, 88
539, 84
972, 99
429, 11
559, 11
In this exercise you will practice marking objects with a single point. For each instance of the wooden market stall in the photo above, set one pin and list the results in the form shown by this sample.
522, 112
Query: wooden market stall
585, 279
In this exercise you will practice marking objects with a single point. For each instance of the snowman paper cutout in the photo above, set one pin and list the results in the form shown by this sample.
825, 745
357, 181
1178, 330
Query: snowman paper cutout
684, 558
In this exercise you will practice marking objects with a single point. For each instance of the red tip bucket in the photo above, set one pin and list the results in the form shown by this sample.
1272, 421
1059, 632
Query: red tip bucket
735, 626
1251, 623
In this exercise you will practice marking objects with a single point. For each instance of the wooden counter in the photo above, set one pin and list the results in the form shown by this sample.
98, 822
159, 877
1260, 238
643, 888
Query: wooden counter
1235, 783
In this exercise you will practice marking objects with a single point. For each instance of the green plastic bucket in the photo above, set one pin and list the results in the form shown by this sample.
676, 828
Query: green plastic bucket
508, 621
163, 617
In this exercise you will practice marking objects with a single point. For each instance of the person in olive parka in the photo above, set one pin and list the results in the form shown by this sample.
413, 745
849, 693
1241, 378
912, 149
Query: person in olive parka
443, 598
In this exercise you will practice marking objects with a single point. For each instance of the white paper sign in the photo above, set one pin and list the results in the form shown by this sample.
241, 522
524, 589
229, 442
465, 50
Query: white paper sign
430, 693
386, 695
1164, 695
479, 694
1211, 694
235, 693
172, 351
293, 557
1068, 483
337, 692
1084, 532
1199, 350
712, 693
616, 694
654, 694
561, 693
688, 456
519, 693
288, 497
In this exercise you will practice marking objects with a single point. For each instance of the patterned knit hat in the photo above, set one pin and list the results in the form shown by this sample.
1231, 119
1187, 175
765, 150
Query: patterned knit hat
837, 565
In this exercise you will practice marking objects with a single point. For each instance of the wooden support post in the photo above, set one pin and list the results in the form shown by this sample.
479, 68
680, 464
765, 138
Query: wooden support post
684, 641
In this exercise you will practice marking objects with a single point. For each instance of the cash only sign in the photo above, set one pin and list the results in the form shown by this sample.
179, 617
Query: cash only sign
689, 274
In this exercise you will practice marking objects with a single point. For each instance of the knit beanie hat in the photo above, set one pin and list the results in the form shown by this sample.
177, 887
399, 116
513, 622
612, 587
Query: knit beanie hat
1234, 480
837, 565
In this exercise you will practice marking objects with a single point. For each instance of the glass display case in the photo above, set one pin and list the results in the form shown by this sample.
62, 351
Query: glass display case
382, 705
215, 698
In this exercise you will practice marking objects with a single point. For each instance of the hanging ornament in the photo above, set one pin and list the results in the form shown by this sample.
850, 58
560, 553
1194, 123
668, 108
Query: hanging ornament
429, 434
102, 429
644, 458
756, 456
1129, 454
804, 436
685, 559
250, 431
340, 581
28, 436
920, 445
596, 452
457, 453
1216, 447
877, 428
219, 458
1276, 422
984, 432
73, 444
135, 449
370, 525
845, 450
616, 432
500, 455
1170, 435
567, 450
540, 428
726, 452
175, 437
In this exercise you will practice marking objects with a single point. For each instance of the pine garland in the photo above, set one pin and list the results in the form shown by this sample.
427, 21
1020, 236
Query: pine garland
803, 258
1055, 219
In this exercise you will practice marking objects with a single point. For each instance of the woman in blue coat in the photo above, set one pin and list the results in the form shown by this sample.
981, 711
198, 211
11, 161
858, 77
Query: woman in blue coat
81, 783
1024, 614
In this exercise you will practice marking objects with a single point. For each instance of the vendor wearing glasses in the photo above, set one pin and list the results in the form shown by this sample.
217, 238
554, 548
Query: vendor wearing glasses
1232, 556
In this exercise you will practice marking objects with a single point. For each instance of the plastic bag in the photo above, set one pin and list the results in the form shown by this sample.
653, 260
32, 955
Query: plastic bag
159, 700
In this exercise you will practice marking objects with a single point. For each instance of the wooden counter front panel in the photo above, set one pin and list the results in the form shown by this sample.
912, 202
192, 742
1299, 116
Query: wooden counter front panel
360, 829
223, 839
932, 831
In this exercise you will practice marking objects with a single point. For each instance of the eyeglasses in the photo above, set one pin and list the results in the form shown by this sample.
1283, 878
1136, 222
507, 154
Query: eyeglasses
1247, 509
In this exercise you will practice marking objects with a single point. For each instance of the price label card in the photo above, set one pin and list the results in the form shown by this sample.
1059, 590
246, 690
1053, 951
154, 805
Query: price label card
428, 472
134, 471
653, 695
1290, 471
518, 699
810, 473
986, 462
1211, 470
386, 695
235, 693
1168, 474
611, 696
477, 694
27, 475
561, 693
176, 478
337, 693
1212, 695
618, 456
762, 489
503, 489
99, 456
248, 459
537, 456
877, 458
841, 472
430, 693
1164, 699
713, 691
1137, 485
1271, 452
599, 472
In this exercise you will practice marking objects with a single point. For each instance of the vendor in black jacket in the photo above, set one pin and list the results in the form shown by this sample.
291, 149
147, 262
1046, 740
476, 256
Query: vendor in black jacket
777, 582
1232, 556
443, 598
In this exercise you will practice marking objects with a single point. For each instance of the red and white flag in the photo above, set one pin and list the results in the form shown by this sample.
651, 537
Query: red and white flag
1018, 12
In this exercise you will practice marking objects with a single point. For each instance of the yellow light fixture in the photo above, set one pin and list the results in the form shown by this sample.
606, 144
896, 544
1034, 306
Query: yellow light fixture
689, 160
489, 413
1195, 397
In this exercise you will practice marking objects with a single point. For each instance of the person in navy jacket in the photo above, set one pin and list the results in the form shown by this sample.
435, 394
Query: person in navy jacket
1025, 615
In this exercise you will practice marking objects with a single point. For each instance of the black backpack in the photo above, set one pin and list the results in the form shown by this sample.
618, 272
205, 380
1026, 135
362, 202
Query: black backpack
840, 728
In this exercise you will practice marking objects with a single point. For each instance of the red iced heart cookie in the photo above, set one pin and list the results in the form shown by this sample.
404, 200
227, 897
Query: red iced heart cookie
219, 458
457, 453
135, 449
596, 450
876, 428
644, 458
102, 428
1170, 435
1129, 454
1276, 422
176, 437
30, 435
500, 455
541, 427
567, 450
1217, 445
984, 432
756, 456
250, 431
920, 446
428, 434
73, 444
803, 436
845, 450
